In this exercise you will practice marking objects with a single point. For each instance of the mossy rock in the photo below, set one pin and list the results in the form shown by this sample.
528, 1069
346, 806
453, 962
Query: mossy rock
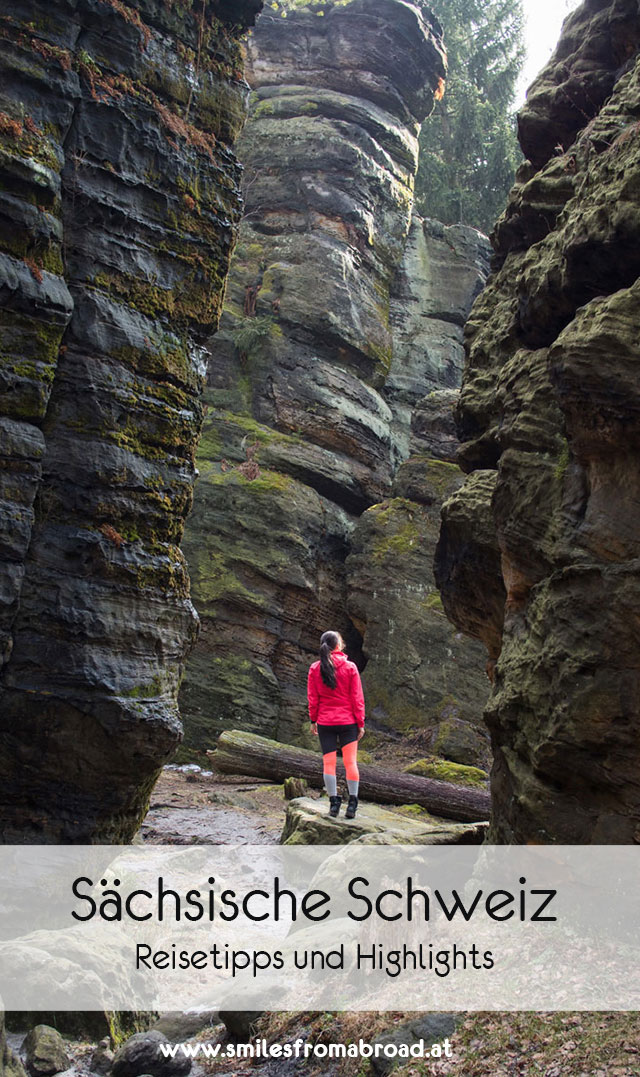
458, 741
445, 771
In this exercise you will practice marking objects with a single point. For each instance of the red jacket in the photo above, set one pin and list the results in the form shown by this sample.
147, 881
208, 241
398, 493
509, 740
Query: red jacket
341, 705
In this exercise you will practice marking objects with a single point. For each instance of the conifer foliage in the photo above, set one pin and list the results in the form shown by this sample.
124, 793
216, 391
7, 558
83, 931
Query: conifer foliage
468, 146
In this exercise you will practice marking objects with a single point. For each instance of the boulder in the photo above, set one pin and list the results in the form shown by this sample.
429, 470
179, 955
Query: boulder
179, 1027
458, 741
307, 822
431, 1027
45, 1052
240, 1024
141, 1054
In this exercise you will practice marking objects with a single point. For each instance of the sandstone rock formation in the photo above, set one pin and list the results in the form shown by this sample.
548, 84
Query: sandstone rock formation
342, 313
118, 204
309, 823
539, 549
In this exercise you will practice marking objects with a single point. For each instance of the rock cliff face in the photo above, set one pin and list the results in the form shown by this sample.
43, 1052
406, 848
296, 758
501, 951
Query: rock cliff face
118, 202
341, 314
539, 550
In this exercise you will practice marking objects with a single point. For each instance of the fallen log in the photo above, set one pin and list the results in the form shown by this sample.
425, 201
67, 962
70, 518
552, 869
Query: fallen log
246, 753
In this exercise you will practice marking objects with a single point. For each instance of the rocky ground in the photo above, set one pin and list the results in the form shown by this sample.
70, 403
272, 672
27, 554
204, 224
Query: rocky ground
192, 804
483, 1045
195, 805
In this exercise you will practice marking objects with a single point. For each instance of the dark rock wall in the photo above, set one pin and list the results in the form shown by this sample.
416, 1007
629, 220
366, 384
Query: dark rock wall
539, 549
119, 197
341, 314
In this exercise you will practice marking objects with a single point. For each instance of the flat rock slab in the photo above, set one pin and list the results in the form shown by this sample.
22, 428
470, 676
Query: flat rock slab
308, 823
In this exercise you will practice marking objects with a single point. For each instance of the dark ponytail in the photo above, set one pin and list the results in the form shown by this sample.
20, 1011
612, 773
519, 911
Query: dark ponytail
328, 643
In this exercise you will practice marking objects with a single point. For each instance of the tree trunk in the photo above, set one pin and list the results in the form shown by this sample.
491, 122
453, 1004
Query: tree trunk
246, 753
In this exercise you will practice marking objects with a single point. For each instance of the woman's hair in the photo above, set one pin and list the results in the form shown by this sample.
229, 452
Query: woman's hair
328, 643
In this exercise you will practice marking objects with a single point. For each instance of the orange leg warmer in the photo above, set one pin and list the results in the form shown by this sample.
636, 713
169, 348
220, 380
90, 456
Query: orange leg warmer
329, 762
350, 757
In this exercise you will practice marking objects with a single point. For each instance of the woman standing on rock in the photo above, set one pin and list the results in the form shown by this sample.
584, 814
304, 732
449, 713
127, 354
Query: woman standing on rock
336, 713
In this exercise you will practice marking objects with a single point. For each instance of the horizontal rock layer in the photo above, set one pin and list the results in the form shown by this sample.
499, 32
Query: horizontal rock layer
118, 205
539, 549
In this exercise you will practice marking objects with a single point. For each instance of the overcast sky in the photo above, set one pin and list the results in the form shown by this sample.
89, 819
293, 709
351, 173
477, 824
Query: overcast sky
544, 20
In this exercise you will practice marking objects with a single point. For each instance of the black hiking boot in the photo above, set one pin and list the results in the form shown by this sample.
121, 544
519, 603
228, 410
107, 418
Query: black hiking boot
334, 805
352, 808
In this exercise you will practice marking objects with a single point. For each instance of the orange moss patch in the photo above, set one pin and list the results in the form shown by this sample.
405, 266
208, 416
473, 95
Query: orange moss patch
50, 52
110, 533
32, 126
132, 17
12, 128
36, 271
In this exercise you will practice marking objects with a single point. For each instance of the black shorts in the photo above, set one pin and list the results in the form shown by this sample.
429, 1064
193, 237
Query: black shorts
330, 735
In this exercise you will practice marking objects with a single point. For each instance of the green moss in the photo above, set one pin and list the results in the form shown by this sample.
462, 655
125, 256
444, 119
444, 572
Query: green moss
213, 580
20, 243
397, 533
32, 371
398, 713
382, 354
157, 686
268, 481
224, 426
432, 602
16, 140
563, 462
210, 444
416, 811
165, 354
129, 437
444, 771
26, 339
265, 108
167, 574
442, 475
197, 300
123, 1024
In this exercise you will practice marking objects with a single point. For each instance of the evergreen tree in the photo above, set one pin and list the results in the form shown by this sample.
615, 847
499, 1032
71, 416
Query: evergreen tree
468, 146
